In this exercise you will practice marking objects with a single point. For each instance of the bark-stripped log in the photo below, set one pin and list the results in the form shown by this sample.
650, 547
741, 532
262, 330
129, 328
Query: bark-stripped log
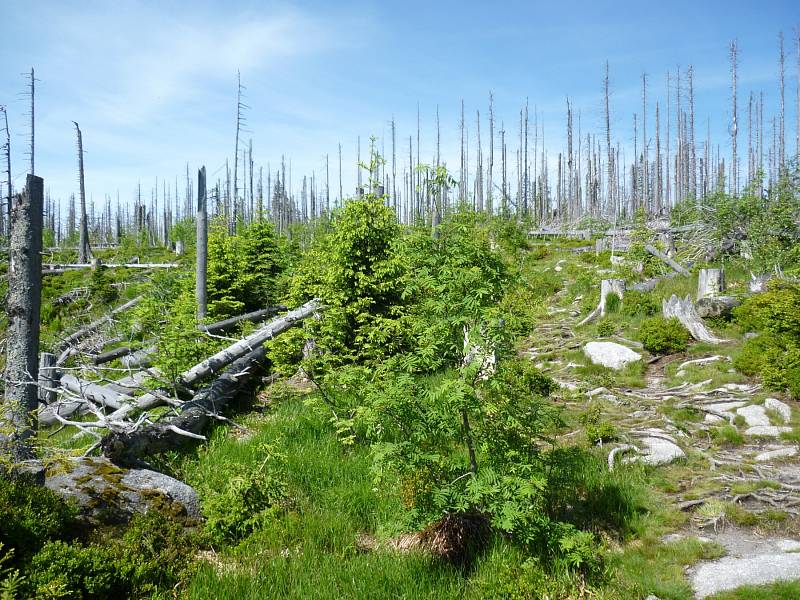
95, 393
685, 312
130, 447
141, 359
52, 267
677, 267
224, 357
253, 317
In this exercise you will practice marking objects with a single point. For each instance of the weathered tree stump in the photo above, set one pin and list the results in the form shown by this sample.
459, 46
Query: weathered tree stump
607, 286
710, 283
685, 312
48, 378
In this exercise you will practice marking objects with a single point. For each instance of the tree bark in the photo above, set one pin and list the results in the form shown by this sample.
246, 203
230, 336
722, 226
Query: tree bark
23, 308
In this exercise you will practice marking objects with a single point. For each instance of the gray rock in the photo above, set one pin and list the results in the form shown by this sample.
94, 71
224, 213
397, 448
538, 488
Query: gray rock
754, 415
767, 430
779, 407
721, 306
731, 572
656, 448
610, 354
779, 453
658, 451
108, 494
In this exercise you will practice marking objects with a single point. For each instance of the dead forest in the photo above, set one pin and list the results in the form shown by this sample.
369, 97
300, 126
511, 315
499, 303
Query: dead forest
538, 368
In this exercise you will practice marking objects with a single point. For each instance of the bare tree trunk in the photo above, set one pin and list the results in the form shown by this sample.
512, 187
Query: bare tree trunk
489, 186
782, 131
202, 246
610, 166
33, 120
84, 249
23, 308
710, 283
734, 121
7, 149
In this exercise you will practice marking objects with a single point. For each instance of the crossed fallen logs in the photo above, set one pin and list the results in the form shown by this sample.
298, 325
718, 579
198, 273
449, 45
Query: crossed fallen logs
128, 431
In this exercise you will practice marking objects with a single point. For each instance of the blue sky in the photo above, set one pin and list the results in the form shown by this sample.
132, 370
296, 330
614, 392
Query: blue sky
153, 84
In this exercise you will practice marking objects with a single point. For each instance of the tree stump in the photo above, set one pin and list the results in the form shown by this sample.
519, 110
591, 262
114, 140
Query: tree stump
710, 283
607, 286
48, 378
685, 312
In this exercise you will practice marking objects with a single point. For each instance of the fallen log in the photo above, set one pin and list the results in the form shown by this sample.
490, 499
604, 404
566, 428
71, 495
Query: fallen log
648, 285
75, 266
93, 392
48, 378
73, 339
677, 267
129, 447
685, 312
131, 384
140, 359
224, 357
253, 317
105, 357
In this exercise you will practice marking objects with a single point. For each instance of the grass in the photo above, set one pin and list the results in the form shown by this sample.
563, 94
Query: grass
727, 435
311, 549
650, 567
783, 590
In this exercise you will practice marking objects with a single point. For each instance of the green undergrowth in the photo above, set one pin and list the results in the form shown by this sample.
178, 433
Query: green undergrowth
327, 534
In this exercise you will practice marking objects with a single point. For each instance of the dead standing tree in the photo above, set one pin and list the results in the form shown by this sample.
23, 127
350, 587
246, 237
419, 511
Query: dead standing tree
84, 250
202, 245
7, 152
24, 303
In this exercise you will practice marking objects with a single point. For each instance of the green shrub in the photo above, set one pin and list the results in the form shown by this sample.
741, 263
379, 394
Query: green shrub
751, 356
775, 359
601, 432
156, 553
639, 304
663, 336
243, 268
100, 286
30, 516
775, 311
61, 570
606, 328
238, 497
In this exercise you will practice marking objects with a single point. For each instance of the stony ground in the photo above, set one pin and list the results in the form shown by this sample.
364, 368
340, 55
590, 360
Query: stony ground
725, 450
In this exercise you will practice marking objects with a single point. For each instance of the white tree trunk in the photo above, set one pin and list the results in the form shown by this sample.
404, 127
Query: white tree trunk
710, 283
